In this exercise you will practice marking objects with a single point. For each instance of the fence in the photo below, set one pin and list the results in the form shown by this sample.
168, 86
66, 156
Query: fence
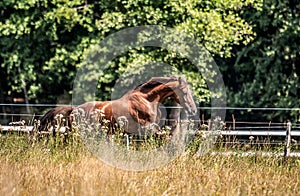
14, 112
241, 130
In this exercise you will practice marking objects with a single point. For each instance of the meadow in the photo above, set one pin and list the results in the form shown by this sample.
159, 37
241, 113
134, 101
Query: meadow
52, 167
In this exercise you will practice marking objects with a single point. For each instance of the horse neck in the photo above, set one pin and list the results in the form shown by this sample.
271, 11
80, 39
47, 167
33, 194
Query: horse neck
160, 93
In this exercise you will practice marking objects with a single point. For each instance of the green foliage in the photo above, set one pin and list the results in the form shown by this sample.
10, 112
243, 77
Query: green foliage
42, 43
266, 72
224, 23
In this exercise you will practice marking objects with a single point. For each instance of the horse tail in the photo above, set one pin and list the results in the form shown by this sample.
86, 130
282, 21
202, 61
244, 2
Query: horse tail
45, 120
48, 119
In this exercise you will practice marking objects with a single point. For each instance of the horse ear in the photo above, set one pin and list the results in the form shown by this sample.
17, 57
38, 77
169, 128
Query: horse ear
182, 80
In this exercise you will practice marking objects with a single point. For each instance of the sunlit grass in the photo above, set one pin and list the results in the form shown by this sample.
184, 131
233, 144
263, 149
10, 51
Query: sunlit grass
44, 167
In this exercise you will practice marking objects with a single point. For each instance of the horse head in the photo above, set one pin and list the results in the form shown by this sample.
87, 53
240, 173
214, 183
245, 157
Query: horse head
183, 95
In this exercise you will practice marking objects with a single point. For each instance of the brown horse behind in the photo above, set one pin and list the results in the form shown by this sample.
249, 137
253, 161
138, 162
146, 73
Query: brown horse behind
140, 107
51, 118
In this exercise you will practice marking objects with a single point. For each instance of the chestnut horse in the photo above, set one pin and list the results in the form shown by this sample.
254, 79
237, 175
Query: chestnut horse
140, 107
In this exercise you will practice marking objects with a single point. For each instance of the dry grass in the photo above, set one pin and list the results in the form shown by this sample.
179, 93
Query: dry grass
47, 169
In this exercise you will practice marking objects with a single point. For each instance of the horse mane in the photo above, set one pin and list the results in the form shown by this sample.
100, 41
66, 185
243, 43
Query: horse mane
154, 82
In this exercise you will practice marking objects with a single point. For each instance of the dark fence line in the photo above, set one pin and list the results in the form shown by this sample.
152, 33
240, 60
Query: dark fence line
32, 104
175, 107
14, 113
287, 132
232, 124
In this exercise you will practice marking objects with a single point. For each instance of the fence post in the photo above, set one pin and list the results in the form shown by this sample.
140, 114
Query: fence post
288, 139
127, 142
233, 122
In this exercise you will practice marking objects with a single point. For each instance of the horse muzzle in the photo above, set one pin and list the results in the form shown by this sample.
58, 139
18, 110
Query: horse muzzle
190, 110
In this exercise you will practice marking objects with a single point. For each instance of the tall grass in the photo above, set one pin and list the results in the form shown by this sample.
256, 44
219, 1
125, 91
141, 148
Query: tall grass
49, 167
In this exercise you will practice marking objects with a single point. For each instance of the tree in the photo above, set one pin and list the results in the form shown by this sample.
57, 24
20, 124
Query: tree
266, 72
44, 42
217, 25
41, 43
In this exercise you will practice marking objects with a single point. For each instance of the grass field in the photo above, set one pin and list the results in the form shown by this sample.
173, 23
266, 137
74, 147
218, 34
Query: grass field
49, 167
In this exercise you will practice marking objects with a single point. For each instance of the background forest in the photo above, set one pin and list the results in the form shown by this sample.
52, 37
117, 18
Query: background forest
254, 43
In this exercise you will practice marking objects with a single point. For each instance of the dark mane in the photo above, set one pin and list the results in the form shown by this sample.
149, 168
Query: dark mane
153, 82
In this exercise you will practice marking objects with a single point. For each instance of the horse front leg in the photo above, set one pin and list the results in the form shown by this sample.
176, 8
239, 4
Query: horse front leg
175, 120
